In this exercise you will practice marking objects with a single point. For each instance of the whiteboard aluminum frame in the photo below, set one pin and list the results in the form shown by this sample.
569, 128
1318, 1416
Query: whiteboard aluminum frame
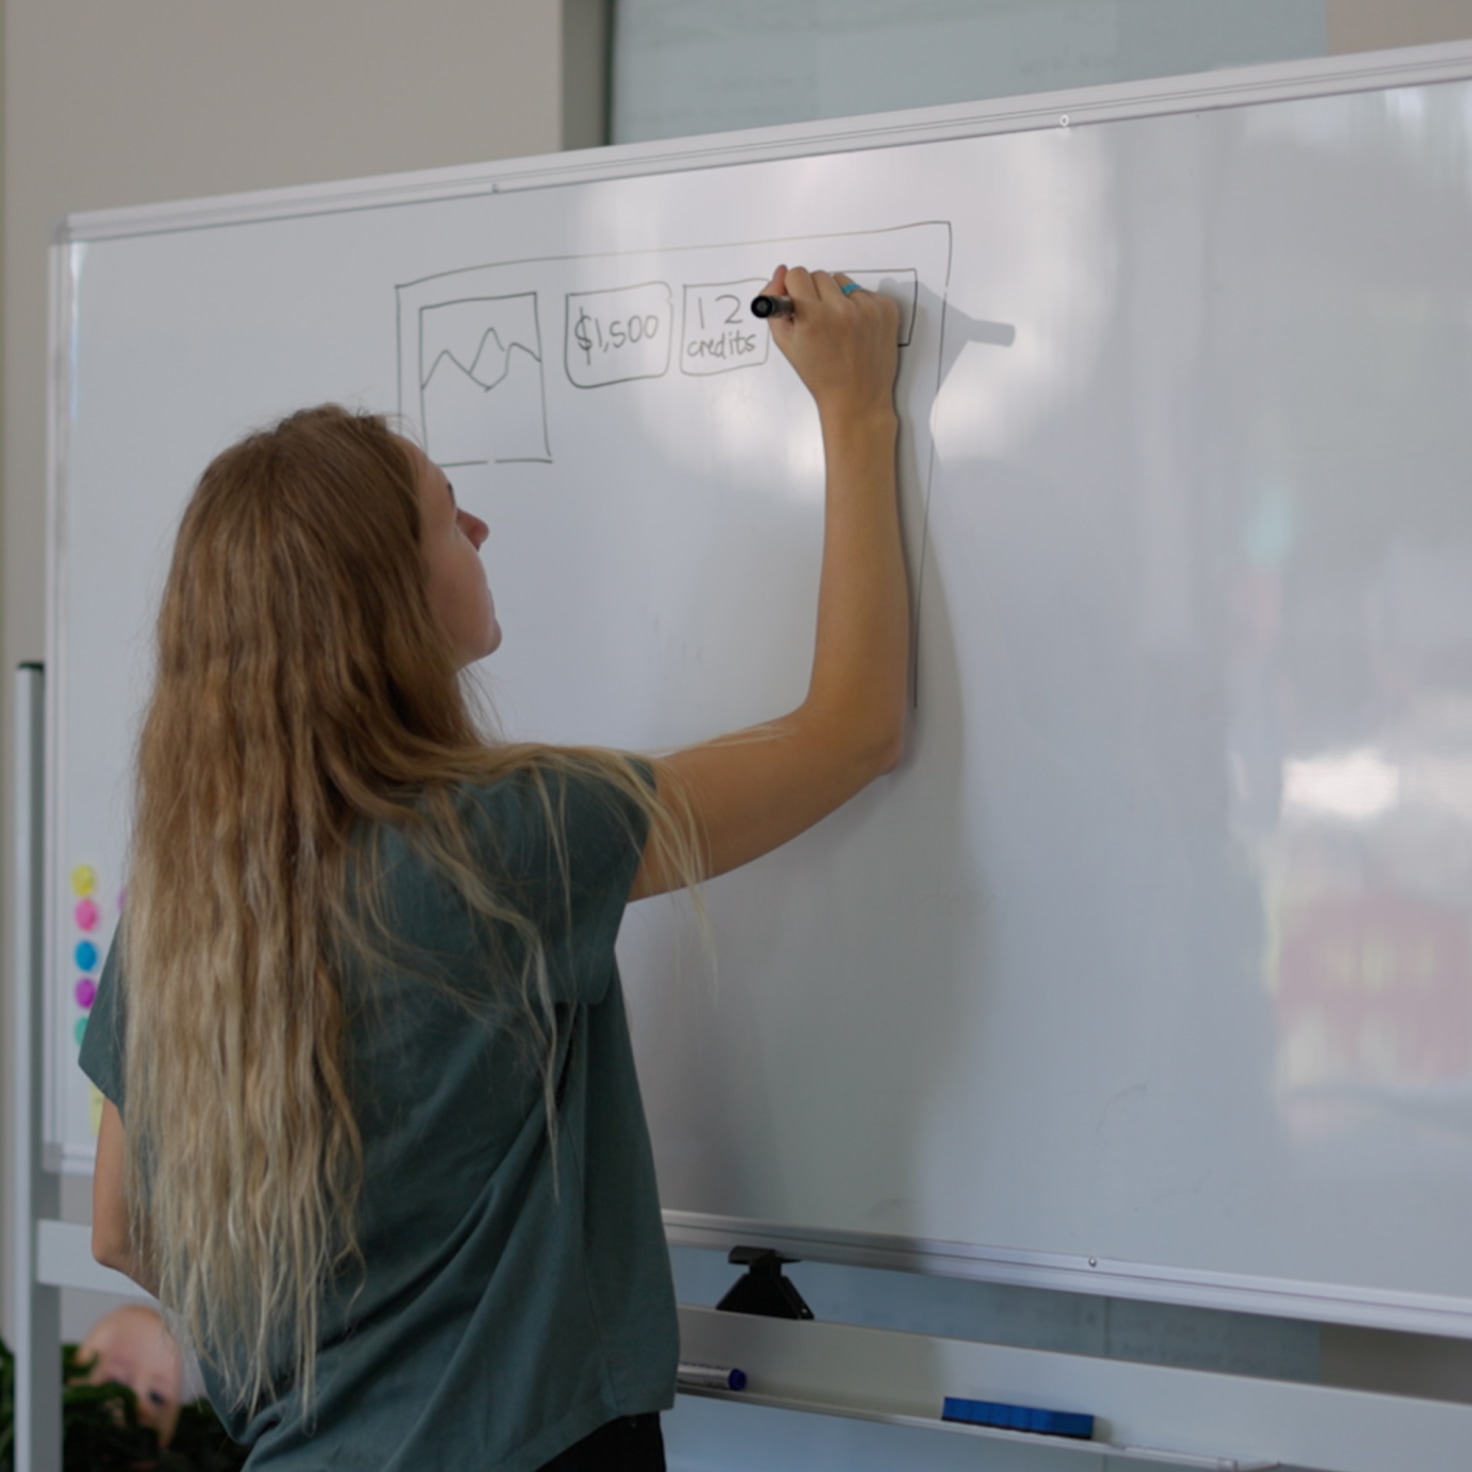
1320, 1303
63, 310
1236, 87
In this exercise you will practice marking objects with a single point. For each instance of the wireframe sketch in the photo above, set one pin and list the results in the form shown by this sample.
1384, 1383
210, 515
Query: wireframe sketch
482, 399
619, 335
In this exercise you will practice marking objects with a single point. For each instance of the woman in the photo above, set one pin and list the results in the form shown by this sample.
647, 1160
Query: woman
373, 1133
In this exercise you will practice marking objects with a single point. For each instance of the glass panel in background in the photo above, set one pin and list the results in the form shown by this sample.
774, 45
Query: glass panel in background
682, 67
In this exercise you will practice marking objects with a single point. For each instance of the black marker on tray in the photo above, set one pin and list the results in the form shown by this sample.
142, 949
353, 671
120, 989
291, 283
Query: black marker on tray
771, 306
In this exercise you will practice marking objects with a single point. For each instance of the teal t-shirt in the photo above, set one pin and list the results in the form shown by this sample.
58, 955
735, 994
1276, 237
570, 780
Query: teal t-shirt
501, 1316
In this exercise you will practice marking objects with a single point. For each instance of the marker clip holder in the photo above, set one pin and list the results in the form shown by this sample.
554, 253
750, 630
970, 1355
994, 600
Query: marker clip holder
762, 1289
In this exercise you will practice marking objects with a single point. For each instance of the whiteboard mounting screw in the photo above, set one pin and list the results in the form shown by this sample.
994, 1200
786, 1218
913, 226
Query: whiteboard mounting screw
1063, 121
1093, 1262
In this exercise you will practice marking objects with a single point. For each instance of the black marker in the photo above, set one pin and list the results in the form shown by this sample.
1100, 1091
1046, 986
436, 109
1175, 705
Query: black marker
771, 306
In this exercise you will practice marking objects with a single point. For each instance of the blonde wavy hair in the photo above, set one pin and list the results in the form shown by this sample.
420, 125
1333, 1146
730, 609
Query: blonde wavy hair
303, 689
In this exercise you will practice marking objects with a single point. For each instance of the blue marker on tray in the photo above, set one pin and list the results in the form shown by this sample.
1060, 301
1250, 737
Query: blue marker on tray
1018, 1418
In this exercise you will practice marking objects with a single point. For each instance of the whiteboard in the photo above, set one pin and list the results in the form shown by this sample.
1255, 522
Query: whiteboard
1150, 971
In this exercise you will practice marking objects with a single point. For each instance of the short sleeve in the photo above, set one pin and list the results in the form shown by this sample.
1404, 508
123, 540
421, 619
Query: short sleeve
605, 834
103, 1042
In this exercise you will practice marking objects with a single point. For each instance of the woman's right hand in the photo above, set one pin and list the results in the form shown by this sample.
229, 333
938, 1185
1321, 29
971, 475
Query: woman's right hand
845, 348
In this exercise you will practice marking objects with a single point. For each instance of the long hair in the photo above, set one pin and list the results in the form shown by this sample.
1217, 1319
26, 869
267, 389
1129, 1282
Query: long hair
303, 689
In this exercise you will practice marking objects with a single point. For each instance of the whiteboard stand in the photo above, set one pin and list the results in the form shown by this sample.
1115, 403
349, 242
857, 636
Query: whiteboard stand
34, 1191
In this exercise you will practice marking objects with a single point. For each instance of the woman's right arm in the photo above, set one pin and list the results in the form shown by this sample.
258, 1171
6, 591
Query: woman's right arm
754, 791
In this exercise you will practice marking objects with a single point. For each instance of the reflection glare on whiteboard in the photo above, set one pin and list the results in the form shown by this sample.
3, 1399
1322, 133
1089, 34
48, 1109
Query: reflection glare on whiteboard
1443, 782
1371, 993
1353, 786
965, 421
1406, 107
1048, 193
748, 431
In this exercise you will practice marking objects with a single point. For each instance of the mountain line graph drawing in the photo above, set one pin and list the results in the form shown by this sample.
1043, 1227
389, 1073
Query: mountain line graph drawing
482, 398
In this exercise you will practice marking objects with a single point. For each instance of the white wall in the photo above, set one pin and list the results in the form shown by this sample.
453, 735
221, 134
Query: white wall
1372, 25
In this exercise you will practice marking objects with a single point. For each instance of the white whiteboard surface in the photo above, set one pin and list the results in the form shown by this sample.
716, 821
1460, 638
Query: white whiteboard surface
1151, 966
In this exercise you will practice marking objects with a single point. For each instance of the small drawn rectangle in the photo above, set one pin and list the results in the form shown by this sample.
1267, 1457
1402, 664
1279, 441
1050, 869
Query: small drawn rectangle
618, 335
720, 333
902, 285
482, 398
